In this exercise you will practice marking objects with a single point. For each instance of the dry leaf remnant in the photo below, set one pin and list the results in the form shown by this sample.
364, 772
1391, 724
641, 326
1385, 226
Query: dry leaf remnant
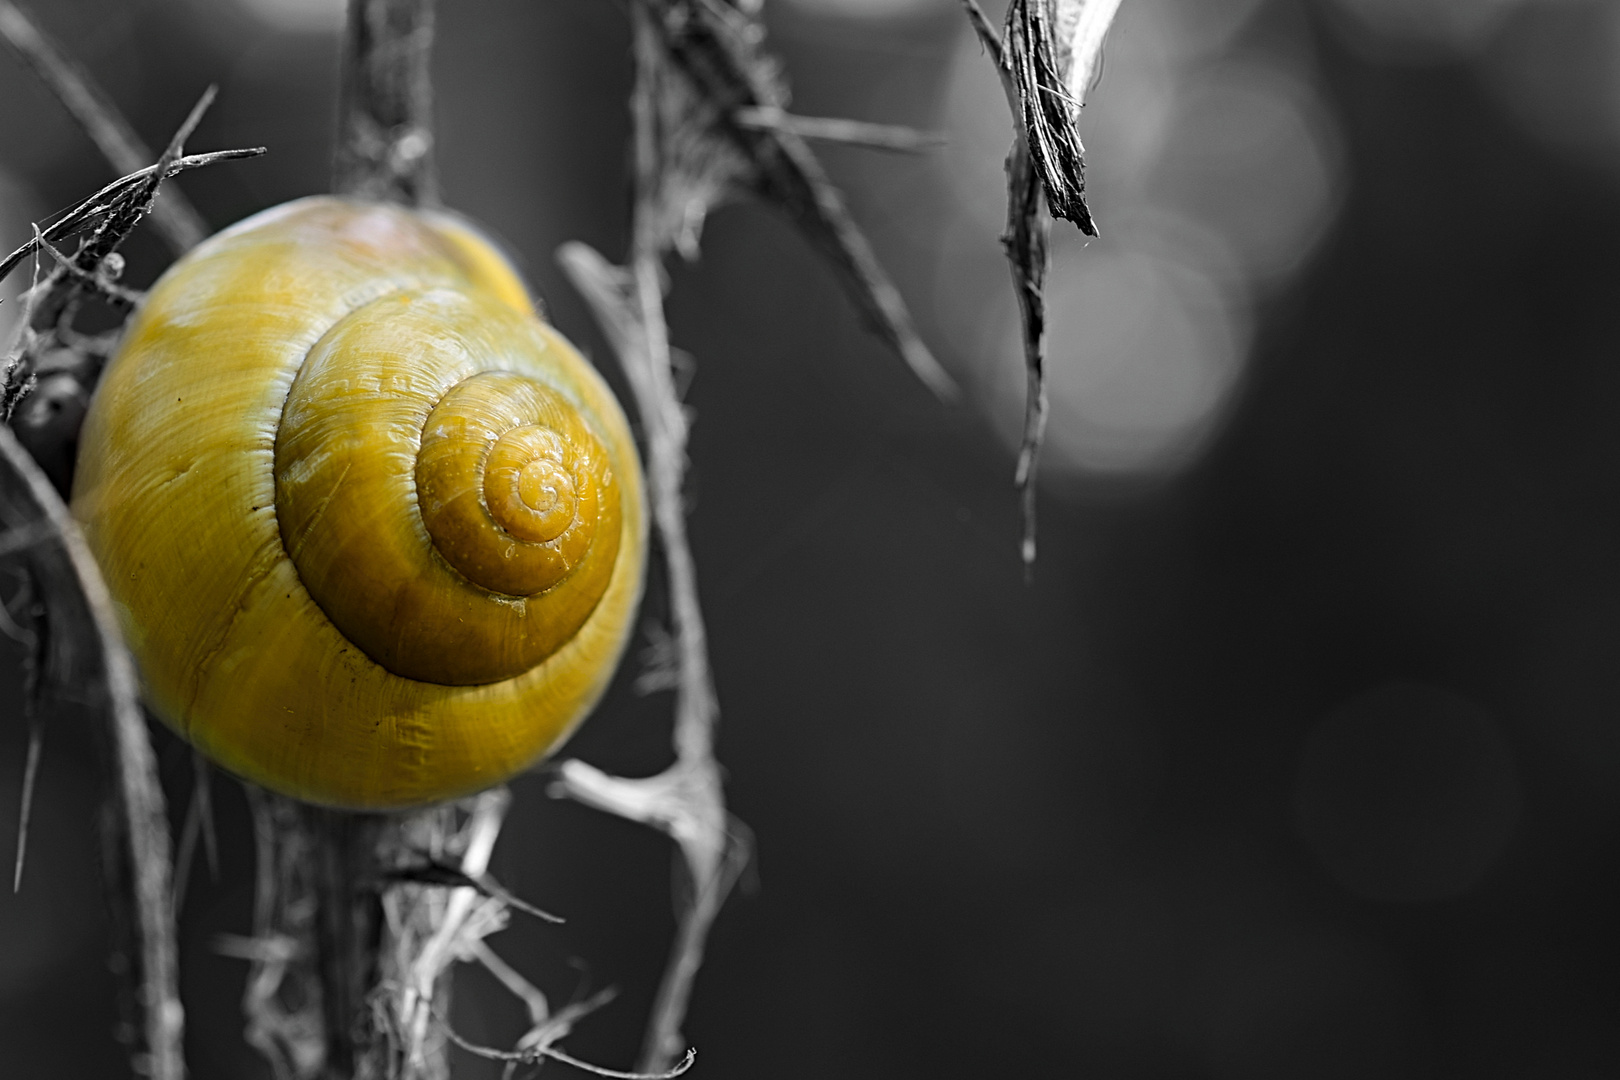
1045, 56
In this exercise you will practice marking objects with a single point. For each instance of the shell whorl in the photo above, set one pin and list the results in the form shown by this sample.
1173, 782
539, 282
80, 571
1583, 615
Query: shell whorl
375, 532
456, 520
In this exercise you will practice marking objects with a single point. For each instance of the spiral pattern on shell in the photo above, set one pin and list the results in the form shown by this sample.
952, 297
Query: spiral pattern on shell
375, 531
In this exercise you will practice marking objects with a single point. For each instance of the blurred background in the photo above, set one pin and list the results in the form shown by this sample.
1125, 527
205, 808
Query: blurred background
1300, 756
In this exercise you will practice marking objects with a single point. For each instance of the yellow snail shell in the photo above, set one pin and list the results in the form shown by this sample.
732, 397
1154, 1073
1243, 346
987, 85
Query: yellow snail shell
375, 532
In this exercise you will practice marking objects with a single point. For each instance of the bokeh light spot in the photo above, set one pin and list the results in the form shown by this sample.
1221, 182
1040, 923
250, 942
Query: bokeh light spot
1556, 70
1143, 353
1253, 156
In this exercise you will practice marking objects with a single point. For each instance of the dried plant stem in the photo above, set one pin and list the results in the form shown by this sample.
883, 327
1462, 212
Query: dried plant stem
708, 113
687, 800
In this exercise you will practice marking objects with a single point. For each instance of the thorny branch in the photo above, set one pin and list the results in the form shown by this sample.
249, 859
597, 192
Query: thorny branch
1045, 57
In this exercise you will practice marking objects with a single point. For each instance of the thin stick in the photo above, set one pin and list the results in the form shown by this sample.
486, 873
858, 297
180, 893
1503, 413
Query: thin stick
439, 873
831, 129
182, 227
36, 740
537, 1053
199, 825
985, 30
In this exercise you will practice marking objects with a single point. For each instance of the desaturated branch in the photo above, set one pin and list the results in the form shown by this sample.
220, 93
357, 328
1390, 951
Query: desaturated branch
680, 171
352, 943
30, 636
709, 112
1045, 58
539, 1054
83, 649
199, 826
182, 227
282, 999
686, 800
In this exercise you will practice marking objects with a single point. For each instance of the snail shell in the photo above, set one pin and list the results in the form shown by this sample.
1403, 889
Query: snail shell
375, 532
